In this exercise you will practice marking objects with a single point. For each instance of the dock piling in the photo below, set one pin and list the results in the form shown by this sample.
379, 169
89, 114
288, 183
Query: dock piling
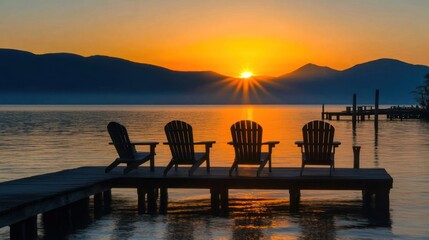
163, 200
214, 200
152, 196
107, 198
24, 230
323, 111
356, 156
141, 200
98, 204
377, 96
224, 200
354, 112
294, 198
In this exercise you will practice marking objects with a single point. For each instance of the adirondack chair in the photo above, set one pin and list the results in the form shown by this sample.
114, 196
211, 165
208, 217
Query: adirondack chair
127, 149
247, 143
181, 141
318, 147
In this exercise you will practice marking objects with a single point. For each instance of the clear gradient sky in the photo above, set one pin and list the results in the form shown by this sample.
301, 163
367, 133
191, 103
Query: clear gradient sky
267, 37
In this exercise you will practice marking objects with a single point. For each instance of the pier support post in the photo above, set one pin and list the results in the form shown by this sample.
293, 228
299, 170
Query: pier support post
24, 230
107, 198
377, 96
294, 198
219, 199
354, 112
367, 197
214, 200
379, 197
382, 200
152, 195
60, 221
163, 200
79, 212
224, 200
141, 200
98, 205
323, 111
356, 156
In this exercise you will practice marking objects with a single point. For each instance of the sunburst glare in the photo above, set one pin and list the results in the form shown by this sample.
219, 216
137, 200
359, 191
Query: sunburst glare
248, 86
246, 74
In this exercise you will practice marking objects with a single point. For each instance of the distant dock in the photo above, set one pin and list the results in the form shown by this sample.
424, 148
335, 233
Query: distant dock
360, 113
63, 198
366, 112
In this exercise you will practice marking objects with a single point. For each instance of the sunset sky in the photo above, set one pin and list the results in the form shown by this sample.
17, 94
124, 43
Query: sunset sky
228, 37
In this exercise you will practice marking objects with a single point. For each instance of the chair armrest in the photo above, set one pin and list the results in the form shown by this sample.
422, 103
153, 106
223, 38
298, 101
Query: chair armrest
139, 143
145, 143
230, 143
208, 144
335, 143
271, 143
299, 143
204, 142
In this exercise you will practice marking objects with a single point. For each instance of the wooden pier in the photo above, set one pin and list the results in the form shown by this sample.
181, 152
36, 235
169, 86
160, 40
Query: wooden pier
66, 194
365, 112
359, 113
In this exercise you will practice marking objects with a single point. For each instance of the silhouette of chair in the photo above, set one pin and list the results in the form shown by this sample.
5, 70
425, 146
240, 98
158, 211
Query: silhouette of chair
247, 143
318, 147
127, 150
181, 141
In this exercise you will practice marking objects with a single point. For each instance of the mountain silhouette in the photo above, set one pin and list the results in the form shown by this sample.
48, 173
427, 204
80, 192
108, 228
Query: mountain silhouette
310, 71
64, 78
395, 79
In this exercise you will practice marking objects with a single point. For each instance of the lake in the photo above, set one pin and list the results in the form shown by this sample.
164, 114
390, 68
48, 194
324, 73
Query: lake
42, 139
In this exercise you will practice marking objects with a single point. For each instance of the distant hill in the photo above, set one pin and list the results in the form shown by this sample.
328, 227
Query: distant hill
314, 84
63, 78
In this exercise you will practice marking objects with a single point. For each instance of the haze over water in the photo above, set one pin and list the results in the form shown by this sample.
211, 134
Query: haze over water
42, 139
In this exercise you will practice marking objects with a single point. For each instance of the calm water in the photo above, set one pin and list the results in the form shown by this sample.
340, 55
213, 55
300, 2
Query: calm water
44, 139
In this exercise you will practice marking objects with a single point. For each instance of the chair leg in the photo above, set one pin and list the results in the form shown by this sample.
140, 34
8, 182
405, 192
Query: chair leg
152, 163
131, 166
112, 165
234, 166
302, 169
269, 164
169, 166
208, 164
195, 166
261, 167
134, 165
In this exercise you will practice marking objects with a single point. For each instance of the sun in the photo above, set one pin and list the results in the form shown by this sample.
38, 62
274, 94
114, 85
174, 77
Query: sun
246, 74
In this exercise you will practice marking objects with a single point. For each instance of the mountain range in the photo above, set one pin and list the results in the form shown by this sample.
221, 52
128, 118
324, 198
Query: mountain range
64, 78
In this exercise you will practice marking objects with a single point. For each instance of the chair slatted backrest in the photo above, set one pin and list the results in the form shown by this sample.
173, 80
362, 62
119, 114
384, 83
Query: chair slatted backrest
318, 142
247, 141
180, 138
120, 139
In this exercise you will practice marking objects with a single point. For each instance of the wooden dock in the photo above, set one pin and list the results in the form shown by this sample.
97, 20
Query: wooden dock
365, 112
65, 194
